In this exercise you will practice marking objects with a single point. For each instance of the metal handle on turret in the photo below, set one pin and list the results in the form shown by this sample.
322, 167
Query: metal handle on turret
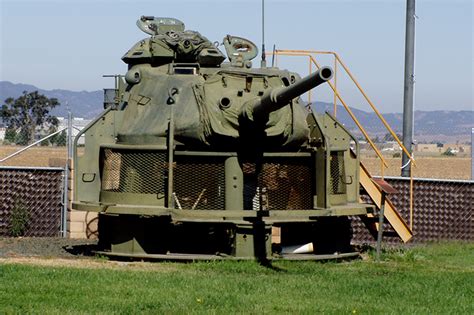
280, 97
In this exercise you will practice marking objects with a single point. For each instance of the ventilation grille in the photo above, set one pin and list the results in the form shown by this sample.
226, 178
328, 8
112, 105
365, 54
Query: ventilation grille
199, 183
127, 171
336, 181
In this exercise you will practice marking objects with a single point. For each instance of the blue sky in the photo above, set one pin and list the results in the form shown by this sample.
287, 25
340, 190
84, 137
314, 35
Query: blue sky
70, 44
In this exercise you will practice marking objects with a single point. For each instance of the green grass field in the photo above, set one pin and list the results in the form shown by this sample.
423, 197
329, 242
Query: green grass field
435, 279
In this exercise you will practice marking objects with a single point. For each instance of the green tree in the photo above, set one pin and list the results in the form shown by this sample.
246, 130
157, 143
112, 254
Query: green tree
27, 112
22, 137
59, 139
10, 135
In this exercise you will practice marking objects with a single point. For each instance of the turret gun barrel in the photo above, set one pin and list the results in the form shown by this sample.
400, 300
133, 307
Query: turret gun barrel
280, 97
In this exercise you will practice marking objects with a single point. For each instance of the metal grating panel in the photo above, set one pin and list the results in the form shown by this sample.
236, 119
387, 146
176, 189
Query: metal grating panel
39, 192
199, 182
336, 168
285, 184
137, 171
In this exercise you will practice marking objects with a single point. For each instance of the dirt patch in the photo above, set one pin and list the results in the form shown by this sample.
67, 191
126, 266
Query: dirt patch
56, 262
46, 247
71, 253
90, 263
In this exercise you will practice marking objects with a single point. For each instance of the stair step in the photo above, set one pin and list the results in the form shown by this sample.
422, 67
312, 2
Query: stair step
391, 214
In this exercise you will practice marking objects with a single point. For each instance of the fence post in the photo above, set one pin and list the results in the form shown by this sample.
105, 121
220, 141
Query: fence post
67, 169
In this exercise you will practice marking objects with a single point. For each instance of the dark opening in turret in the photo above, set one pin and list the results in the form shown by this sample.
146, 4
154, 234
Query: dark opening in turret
225, 102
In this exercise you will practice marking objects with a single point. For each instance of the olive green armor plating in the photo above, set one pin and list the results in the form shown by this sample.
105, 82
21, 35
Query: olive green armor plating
201, 157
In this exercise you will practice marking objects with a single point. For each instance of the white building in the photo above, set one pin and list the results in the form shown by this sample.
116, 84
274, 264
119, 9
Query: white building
77, 125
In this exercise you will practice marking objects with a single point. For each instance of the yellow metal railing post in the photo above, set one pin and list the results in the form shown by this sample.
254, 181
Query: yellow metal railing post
335, 86
411, 198
310, 71
382, 171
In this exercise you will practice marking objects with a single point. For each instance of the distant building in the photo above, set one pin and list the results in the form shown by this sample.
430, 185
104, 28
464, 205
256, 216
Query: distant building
77, 125
428, 148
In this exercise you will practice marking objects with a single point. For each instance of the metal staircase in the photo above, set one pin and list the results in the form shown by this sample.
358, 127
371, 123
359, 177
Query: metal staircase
390, 212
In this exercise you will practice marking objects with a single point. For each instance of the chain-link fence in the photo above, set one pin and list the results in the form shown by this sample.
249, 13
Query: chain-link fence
31, 201
442, 210
34, 180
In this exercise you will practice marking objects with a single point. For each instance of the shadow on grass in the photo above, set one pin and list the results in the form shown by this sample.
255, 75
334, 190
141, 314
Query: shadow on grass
86, 250
268, 264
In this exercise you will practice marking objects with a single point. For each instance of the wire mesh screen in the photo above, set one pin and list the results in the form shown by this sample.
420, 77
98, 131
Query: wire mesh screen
134, 171
285, 184
199, 182
336, 167
30, 201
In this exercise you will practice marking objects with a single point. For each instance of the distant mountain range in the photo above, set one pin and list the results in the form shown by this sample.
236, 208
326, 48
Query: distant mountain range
443, 126
440, 125
83, 104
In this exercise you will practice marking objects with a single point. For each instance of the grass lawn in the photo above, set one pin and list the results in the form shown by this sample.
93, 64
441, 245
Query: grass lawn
434, 279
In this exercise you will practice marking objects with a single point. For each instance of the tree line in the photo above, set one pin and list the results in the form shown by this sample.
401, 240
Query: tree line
28, 117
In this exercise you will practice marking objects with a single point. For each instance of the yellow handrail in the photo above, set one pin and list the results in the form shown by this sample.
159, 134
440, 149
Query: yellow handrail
338, 59
335, 86
394, 135
349, 111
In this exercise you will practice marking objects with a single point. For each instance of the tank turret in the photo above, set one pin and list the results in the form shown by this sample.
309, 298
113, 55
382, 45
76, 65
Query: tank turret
204, 155
210, 99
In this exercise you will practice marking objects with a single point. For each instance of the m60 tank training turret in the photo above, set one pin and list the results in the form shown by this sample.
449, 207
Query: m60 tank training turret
199, 157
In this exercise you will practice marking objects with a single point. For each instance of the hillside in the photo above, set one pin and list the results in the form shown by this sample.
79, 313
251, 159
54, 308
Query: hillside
83, 104
444, 126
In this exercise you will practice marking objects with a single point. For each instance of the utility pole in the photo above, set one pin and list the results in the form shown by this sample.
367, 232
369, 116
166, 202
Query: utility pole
408, 86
